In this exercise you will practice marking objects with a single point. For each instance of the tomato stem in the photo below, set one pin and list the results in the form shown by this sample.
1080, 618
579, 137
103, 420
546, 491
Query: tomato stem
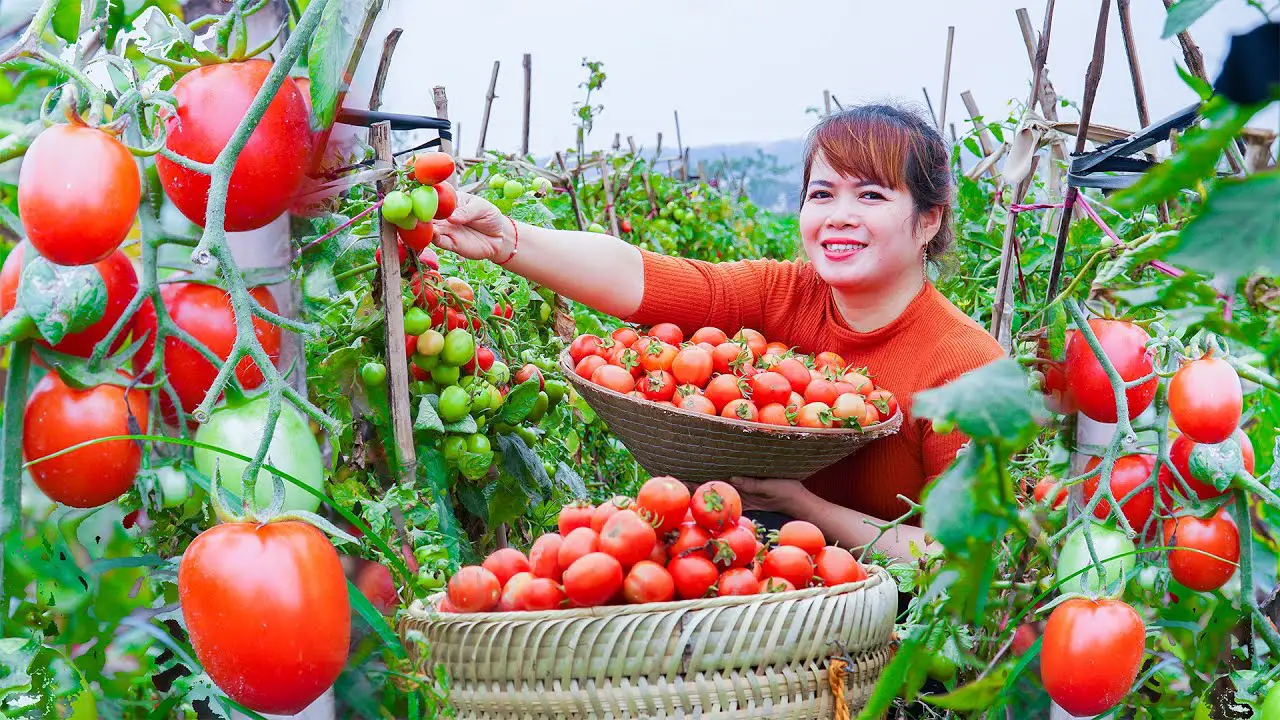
15, 405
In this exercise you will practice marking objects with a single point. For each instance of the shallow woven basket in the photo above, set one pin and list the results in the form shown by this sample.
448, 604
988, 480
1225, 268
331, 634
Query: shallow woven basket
693, 446
734, 657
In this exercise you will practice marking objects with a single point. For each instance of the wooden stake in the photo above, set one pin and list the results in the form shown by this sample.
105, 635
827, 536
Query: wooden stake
573, 195
384, 65
608, 196
929, 103
946, 77
657, 153
631, 143
1135, 70
826, 102
528, 90
702, 170
1190, 51
617, 141
488, 105
984, 136
679, 141
441, 101
1046, 95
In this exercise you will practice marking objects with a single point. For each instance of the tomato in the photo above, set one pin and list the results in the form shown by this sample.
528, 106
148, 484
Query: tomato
540, 594
804, 535
693, 576
730, 358
716, 505
776, 585
734, 548
1074, 556
459, 348
627, 537
655, 355
474, 589
512, 597
593, 579
1205, 400
455, 404
432, 168
418, 239
738, 581
831, 360
884, 402
815, 415
607, 509
714, 336
576, 544
753, 340
615, 378
269, 171
789, 563
663, 501
698, 403
293, 450
378, 587
58, 416
1216, 535
770, 387
588, 367
837, 566
1129, 472
796, 373
1125, 345
1090, 654
583, 346
121, 283
529, 370
239, 583
1046, 487
575, 516
657, 385
448, 201
627, 359
725, 388
691, 538
850, 408
775, 414
625, 336
78, 194
205, 312
741, 410
668, 333
692, 365
544, 556
648, 582
505, 564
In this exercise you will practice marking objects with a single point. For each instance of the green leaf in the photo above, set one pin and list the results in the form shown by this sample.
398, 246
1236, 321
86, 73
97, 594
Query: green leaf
66, 20
533, 213
520, 402
466, 425
992, 403
61, 300
953, 512
75, 371
428, 420
584, 409
1056, 320
328, 56
475, 500
978, 695
433, 471
475, 465
16, 655
1238, 232
1156, 246
506, 504
566, 477
319, 284
892, 678
1183, 15
523, 465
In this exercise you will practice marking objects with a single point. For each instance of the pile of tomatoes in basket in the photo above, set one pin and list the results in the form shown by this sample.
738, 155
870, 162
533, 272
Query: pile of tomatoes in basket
743, 378
665, 544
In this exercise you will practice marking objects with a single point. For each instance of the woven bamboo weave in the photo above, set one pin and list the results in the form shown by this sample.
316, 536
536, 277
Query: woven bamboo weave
697, 447
734, 657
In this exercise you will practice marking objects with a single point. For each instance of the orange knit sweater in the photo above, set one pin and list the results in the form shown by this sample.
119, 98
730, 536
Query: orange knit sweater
930, 344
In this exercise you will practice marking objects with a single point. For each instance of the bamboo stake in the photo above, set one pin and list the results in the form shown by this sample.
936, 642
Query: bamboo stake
384, 66
984, 135
679, 140
684, 166
441, 101
1135, 70
1048, 99
488, 105
617, 141
608, 196
657, 153
573, 195
826, 102
929, 103
946, 77
528, 90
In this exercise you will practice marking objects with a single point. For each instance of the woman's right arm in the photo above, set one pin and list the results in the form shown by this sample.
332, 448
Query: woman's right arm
594, 269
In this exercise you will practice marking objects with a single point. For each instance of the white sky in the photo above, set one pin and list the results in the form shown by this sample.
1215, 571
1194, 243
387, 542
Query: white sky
745, 70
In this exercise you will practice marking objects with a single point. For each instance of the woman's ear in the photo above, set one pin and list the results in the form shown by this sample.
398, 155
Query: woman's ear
928, 223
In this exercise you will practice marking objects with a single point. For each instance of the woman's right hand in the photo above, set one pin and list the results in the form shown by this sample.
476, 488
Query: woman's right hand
476, 230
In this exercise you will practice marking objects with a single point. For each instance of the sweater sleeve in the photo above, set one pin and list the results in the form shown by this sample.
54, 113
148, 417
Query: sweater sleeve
694, 293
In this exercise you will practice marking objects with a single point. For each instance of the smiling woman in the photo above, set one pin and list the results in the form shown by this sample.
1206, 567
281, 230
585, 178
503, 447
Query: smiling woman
876, 208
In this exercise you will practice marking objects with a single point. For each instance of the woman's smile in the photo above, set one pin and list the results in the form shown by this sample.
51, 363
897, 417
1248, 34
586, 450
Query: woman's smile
837, 249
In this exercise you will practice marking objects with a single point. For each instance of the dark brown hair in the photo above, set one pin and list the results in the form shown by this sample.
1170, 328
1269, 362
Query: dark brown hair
893, 146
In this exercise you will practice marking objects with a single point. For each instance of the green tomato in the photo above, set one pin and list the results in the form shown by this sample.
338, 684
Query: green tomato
416, 321
454, 446
425, 202
430, 579
546, 365
293, 450
541, 185
467, 381
497, 181
430, 342
428, 387
547, 294
1271, 704
555, 390
595, 228
544, 312
496, 401
665, 212
373, 374
539, 407
426, 362
550, 467
397, 206
512, 189
499, 374
482, 399
446, 375
454, 404
941, 668
527, 434
1074, 555
459, 347
478, 443
175, 488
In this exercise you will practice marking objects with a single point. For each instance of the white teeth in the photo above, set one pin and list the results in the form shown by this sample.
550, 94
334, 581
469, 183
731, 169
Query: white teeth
842, 247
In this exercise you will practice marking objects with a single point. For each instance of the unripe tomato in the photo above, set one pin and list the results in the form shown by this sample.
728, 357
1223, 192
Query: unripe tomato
445, 375
498, 374
459, 347
1074, 556
425, 202
1205, 400
454, 404
1125, 345
397, 206
454, 446
430, 343
373, 374
416, 322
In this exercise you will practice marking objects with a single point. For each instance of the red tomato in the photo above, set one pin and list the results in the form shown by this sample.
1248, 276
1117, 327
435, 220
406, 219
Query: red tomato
716, 505
693, 575
448, 200
511, 599
1205, 400
205, 312
628, 538
656, 355
544, 556
588, 366
796, 373
418, 239
830, 360
530, 371
804, 535
58, 416
850, 409
575, 516
211, 101
1046, 487
884, 402
775, 414
648, 582
659, 554
734, 548
668, 333
738, 581
725, 388
692, 538
578, 543
541, 594
505, 564
378, 587
770, 387
714, 336
1125, 345
861, 383
593, 580
698, 403
753, 340
1023, 638
628, 359
741, 410
657, 385
608, 509
692, 365
837, 566
663, 500
815, 415
78, 193
821, 391
239, 583
789, 563
625, 336
730, 358
583, 346
615, 378
432, 168
1129, 472
474, 589
117, 275
776, 585
1216, 535
1090, 654
777, 348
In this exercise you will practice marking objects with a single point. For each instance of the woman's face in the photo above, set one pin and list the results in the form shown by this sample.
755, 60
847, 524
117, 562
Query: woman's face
860, 235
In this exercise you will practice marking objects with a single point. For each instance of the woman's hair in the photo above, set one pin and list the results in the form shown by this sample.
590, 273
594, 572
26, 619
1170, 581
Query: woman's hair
893, 146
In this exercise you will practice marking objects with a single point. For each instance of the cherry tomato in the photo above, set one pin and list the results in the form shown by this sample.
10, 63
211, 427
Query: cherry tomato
655, 355
663, 500
625, 336
668, 333
594, 579
753, 340
738, 581
627, 537
804, 535
1216, 535
544, 556
1046, 487
789, 563
796, 373
775, 414
1125, 345
692, 365
730, 358
1090, 654
1205, 400
884, 403
583, 346
418, 239
831, 360
578, 543
648, 582
724, 389
431, 168
613, 377
815, 415
716, 505
741, 409
511, 599
474, 589
820, 391
714, 336
1129, 472
837, 566
691, 538
540, 594
608, 509
770, 387
575, 516
657, 385
505, 564
693, 575
776, 585
698, 403
734, 548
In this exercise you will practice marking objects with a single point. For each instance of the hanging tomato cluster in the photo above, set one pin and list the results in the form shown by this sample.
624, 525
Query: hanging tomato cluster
434, 199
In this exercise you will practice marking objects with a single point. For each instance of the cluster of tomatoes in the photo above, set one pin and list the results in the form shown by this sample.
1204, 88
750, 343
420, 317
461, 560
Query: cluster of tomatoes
433, 199
665, 544
743, 378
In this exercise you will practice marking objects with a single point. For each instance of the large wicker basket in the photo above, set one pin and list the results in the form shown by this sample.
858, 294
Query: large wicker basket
733, 657
697, 447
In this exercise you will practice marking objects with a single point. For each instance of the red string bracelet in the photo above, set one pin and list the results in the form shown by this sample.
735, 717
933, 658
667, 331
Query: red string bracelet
515, 245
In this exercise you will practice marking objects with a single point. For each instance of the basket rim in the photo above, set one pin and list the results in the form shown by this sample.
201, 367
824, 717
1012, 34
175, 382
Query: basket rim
417, 610
884, 427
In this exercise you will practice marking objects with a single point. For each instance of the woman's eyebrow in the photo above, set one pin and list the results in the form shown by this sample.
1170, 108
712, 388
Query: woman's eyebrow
820, 183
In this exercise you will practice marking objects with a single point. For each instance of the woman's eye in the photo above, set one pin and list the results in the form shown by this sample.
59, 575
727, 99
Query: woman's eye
818, 194
872, 195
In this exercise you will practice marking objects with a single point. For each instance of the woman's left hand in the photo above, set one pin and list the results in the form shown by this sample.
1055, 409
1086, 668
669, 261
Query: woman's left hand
770, 495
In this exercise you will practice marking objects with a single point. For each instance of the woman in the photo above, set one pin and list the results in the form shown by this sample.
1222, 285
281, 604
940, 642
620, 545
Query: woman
875, 209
